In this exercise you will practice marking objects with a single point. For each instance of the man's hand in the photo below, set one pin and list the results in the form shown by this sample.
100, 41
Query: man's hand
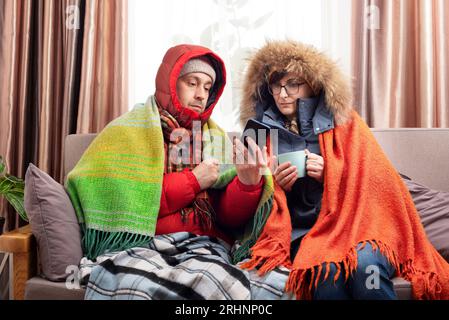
250, 163
207, 173
315, 166
284, 174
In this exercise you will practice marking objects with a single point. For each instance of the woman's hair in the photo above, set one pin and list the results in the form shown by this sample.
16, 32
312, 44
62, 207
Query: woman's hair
276, 76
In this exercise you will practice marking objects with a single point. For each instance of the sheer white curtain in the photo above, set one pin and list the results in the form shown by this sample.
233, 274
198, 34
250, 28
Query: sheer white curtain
233, 29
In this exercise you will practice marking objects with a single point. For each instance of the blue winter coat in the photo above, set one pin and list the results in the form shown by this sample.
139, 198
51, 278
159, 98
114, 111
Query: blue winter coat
304, 200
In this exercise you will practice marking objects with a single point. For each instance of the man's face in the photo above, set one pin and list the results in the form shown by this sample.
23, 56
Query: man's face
287, 91
193, 90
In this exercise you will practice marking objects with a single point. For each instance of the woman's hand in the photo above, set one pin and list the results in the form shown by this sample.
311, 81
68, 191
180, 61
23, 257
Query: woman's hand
285, 174
315, 166
250, 163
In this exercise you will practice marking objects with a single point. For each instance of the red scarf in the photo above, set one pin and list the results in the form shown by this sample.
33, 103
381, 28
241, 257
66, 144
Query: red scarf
201, 207
364, 201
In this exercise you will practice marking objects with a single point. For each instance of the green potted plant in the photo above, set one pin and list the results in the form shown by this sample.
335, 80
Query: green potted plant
12, 188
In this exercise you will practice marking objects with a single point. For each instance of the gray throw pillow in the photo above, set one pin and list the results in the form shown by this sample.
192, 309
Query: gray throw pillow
53, 222
433, 208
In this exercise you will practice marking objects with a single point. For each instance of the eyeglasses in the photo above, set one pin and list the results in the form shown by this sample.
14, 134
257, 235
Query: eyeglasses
291, 87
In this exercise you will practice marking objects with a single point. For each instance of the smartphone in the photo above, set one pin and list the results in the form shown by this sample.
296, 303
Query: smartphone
258, 131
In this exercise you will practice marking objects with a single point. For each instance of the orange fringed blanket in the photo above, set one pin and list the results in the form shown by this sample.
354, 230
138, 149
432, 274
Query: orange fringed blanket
364, 200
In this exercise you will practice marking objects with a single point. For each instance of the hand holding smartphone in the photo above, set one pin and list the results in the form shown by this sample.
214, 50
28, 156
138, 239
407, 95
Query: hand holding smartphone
258, 131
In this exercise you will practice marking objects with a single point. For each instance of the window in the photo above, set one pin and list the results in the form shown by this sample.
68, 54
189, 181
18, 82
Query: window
232, 28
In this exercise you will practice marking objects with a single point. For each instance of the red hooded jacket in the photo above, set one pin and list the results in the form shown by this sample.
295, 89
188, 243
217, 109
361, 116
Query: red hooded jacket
234, 205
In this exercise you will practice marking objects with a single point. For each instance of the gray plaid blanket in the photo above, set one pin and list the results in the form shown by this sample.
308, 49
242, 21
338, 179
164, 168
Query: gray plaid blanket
178, 266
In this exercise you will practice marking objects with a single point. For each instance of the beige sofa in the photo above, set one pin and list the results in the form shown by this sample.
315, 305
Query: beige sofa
418, 153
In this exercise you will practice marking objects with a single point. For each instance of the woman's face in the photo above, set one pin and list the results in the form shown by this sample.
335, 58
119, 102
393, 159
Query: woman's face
287, 91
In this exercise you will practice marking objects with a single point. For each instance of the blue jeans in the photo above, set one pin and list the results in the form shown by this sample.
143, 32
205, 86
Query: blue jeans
370, 280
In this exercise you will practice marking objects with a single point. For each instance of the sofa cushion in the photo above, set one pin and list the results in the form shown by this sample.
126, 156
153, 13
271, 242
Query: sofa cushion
40, 289
53, 222
433, 208
402, 288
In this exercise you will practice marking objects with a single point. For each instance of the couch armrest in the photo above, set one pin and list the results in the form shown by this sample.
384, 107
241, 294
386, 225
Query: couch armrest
18, 240
21, 245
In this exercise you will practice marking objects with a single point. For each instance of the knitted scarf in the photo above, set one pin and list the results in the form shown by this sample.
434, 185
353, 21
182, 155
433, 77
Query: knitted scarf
203, 211
364, 201
116, 186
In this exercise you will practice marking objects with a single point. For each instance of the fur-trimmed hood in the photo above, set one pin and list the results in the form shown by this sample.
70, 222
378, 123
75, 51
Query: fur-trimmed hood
290, 56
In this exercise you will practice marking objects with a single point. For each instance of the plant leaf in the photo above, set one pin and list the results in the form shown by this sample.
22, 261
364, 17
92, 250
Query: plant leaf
5, 185
242, 22
12, 188
259, 22
16, 200
2, 165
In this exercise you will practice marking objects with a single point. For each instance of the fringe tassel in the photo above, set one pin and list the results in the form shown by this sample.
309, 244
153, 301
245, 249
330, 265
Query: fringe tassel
260, 218
297, 283
426, 285
312, 277
204, 212
276, 256
96, 242
328, 269
320, 268
302, 282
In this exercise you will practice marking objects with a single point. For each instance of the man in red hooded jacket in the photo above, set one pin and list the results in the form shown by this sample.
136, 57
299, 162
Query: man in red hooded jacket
189, 83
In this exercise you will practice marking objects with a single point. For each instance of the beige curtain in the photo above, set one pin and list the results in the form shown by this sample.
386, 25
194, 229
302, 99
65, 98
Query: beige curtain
63, 70
104, 91
37, 64
400, 62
